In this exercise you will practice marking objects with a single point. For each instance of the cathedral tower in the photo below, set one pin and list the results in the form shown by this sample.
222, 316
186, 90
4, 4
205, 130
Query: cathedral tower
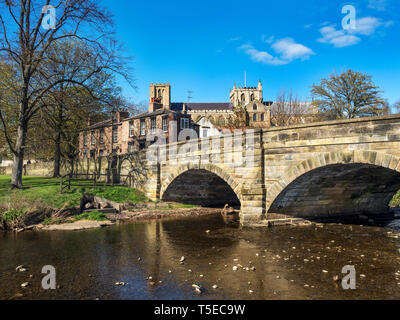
243, 96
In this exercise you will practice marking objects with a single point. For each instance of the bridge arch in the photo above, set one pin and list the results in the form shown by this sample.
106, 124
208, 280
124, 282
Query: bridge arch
191, 175
337, 183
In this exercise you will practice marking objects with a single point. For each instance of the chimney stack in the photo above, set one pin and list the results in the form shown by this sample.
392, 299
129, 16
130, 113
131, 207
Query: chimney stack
122, 114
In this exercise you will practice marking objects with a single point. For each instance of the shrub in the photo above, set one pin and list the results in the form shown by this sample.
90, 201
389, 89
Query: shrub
13, 217
92, 216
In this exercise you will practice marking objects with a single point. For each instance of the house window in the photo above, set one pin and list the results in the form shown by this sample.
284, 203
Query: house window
101, 153
153, 125
142, 127
255, 107
130, 147
142, 145
243, 98
205, 133
85, 138
85, 153
115, 134
165, 124
101, 136
252, 97
92, 154
131, 129
93, 139
255, 117
184, 123
262, 117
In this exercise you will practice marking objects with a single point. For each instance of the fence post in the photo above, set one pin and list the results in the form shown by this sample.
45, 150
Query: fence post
69, 182
61, 185
94, 179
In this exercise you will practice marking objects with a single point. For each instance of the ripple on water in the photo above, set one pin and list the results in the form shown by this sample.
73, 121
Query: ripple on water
278, 263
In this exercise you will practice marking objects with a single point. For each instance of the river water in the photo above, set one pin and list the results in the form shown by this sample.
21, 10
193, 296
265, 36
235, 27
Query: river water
289, 261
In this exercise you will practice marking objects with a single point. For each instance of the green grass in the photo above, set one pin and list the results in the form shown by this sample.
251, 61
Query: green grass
182, 206
55, 221
396, 200
47, 191
118, 194
92, 216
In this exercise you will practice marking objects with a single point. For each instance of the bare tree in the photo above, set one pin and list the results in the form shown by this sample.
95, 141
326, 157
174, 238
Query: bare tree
25, 42
77, 60
288, 110
397, 107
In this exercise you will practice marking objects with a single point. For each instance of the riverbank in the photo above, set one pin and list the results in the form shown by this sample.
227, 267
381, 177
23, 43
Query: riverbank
69, 224
41, 206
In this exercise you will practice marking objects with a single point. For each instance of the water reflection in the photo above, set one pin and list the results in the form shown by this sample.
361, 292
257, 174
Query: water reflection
288, 262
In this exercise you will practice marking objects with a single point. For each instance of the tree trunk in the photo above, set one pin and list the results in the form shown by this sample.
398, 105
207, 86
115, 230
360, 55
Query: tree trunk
16, 177
72, 161
57, 149
57, 156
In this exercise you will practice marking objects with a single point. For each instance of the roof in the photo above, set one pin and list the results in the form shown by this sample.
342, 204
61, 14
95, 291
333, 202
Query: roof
232, 130
102, 124
202, 106
154, 113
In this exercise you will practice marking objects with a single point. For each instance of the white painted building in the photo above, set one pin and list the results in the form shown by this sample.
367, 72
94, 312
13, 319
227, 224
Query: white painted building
207, 129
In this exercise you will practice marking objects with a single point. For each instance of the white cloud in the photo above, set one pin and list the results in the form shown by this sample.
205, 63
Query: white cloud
234, 39
290, 50
365, 26
287, 50
339, 38
266, 39
261, 56
379, 5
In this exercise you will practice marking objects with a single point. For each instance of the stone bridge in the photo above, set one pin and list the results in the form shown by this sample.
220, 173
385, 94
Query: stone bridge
321, 170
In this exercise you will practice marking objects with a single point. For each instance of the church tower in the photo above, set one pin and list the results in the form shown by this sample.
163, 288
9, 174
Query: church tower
243, 96
160, 96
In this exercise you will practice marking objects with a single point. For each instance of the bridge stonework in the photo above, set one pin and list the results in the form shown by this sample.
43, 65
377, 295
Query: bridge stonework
312, 170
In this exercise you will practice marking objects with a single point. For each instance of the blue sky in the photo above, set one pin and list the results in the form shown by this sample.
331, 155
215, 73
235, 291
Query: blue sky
207, 46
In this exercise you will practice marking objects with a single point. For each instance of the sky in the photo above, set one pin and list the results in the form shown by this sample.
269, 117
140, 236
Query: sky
208, 46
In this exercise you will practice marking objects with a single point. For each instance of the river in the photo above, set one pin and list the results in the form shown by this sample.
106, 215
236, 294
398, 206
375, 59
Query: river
289, 262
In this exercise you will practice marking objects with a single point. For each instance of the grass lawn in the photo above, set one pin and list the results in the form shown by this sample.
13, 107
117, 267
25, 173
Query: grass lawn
47, 191
396, 200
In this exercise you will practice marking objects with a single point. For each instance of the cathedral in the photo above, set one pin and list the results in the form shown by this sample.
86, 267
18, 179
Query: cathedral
245, 109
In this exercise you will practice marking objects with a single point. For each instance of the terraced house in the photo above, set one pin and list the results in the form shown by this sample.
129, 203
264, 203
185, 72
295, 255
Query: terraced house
123, 134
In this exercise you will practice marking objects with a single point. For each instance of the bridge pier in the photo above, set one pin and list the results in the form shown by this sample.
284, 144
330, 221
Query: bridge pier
252, 205
152, 185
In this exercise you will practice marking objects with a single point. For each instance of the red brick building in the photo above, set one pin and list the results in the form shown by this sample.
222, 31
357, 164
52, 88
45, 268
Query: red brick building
125, 134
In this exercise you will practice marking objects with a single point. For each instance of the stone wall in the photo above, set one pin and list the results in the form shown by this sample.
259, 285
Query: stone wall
38, 169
